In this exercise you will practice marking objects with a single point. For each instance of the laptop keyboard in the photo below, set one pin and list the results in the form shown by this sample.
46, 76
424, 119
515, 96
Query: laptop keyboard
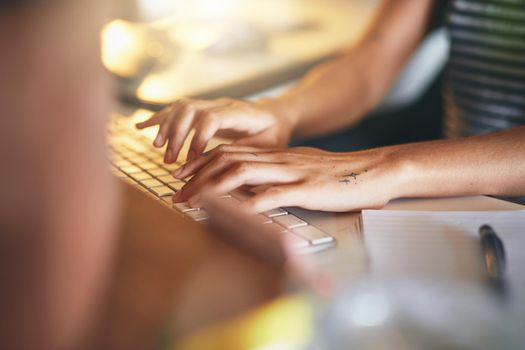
135, 160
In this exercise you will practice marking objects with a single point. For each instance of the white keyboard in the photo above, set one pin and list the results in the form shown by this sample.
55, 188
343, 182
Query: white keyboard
136, 161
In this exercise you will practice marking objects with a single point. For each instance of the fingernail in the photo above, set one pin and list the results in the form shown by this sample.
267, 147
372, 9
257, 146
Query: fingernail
177, 172
194, 201
158, 140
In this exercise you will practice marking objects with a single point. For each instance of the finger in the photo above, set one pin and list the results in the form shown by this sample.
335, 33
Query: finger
246, 173
223, 154
192, 166
286, 195
208, 171
204, 131
173, 113
179, 130
224, 161
155, 119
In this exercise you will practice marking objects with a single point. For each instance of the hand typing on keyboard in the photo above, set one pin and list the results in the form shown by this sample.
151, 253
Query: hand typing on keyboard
255, 124
303, 177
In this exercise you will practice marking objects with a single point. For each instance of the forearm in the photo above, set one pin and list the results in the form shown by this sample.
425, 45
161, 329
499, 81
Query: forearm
491, 164
338, 93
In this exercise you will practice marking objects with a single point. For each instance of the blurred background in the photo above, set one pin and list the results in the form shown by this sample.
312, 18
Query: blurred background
161, 50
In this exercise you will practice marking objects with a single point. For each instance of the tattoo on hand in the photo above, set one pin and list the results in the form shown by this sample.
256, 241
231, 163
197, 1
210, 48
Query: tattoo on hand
353, 175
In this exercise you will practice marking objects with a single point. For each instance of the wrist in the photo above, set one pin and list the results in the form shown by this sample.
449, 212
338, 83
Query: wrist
404, 172
285, 114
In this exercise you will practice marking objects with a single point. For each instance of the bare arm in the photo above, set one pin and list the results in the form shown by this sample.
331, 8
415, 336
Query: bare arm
335, 94
492, 164
340, 92
483, 165
57, 207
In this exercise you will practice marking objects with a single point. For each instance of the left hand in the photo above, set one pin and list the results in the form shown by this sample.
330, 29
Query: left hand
303, 177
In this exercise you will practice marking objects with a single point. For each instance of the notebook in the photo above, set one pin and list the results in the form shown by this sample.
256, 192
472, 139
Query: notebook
440, 244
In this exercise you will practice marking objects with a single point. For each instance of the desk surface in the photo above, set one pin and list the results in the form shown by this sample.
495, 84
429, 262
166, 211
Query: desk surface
200, 279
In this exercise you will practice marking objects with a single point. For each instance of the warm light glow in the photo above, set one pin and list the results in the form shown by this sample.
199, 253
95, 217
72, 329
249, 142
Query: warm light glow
155, 88
195, 36
285, 324
122, 48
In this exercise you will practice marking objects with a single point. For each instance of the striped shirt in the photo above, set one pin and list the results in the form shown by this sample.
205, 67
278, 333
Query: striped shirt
484, 87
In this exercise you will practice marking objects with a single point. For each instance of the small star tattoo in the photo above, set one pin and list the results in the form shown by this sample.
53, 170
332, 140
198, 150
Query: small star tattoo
345, 181
354, 175
254, 154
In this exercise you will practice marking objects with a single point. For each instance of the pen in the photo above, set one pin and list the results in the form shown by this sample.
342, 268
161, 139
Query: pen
493, 254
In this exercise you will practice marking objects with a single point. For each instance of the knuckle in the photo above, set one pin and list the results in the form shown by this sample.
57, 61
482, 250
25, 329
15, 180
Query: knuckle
185, 108
273, 191
224, 157
183, 101
242, 168
221, 149
206, 118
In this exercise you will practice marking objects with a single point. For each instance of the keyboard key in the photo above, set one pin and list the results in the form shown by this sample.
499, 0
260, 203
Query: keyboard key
176, 185
167, 200
122, 163
289, 221
261, 219
148, 165
276, 228
126, 153
313, 235
137, 159
152, 155
167, 178
149, 183
198, 215
158, 172
275, 212
171, 167
131, 169
134, 145
162, 191
139, 187
184, 207
294, 241
158, 159
140, 176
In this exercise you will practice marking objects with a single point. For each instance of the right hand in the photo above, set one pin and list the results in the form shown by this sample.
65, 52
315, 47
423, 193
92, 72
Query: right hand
255, 123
